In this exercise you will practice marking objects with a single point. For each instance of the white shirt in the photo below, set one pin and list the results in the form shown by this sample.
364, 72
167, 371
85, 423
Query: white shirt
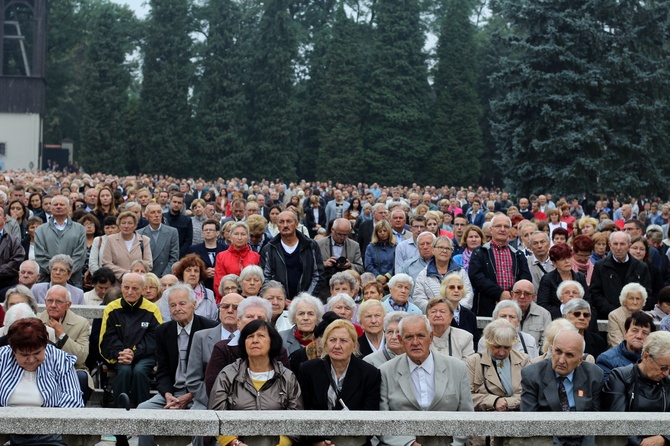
423, 378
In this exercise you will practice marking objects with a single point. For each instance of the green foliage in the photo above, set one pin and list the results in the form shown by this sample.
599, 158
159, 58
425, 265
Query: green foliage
457, 136
167, 76
106, 80
396, 123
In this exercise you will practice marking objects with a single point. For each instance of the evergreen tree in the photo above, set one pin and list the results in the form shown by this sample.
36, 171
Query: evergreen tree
457, 137
167, 76
340, 105
105, 89
271, 115
220, 96
396, 129
585, 87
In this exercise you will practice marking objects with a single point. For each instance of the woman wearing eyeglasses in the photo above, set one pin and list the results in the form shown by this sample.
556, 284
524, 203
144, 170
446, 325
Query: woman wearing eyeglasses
643, 386
578, 311
428, 281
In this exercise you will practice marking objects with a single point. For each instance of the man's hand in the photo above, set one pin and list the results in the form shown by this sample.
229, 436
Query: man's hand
57, 326
506, 295
330, 262
210, 273
501, 405
126, 356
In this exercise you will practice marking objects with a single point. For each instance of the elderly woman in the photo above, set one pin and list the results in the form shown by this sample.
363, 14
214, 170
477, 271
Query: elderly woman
510, 310
448, 340
152, 287
643, 386
343, 305
380, 253
428, 280
401, 287
229, 284
19, 311
140, 267
238, 255
34, 373
192, 271
453, 289
371, 318
122, 249
197, 218
632, 297
61, 267
19, 294
256, 381
392, 344
578, 311
251, 281
550, 333
304, 312
339, 380
588, 226
495, 375
561, 257
275, 293
373, 291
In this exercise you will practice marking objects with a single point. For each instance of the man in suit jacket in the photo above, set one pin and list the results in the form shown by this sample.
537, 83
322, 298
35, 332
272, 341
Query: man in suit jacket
563, 383
403, 375
173, 344
336, 245
164, 241
72, 332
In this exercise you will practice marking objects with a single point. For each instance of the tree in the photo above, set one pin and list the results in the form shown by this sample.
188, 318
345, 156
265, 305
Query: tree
271, 111
576, 73
396, 128
457, 136
105, 87
167, 76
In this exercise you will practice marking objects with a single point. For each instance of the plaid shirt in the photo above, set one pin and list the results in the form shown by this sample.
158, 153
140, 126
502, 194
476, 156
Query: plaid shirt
504, 266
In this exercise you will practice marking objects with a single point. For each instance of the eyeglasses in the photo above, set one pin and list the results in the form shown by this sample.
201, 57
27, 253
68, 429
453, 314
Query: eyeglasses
444, 248
59, 270
501, 227
55, 302
586, 314
455, 287
227, 306
230, 288
523, 293
662, 368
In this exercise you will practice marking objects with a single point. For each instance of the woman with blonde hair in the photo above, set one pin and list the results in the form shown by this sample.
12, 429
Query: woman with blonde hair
380, 253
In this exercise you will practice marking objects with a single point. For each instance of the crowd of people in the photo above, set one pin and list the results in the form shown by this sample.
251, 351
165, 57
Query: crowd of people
248, 296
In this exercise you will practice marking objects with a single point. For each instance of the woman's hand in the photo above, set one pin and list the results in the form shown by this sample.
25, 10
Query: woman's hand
501, 405
656, 440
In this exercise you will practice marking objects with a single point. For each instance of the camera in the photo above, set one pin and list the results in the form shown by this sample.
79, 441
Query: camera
341, 261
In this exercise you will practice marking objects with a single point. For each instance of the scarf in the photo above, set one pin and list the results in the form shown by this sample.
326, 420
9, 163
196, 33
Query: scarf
585, 268
241, 254
465, 257
304, 340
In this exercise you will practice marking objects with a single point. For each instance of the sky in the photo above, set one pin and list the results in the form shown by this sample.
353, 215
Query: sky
141, 7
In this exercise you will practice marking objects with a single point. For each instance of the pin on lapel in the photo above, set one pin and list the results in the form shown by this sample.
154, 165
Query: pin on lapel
580, 393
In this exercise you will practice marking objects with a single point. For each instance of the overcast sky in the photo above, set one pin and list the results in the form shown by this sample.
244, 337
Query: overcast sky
139, 6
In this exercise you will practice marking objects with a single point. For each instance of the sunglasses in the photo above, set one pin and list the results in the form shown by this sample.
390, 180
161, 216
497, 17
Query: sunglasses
581, 313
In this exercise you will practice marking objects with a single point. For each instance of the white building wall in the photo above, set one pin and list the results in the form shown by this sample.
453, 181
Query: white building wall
22, 135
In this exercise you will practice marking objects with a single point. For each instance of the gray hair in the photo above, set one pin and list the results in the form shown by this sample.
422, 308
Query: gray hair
426, 234
415, 317
575, 304
341, 297
305, 298
64, 259
24, 292
343, 277
273, 285
18, 311
68, 295
507, 304
140, 262
252, 270
228, 278
443, 238
366, 306
180, 287
401, 277
628, 237
565, 283
555, 327
239, 224
657, 344
500, 332
255, 301
378, 206
633, 288
394, 316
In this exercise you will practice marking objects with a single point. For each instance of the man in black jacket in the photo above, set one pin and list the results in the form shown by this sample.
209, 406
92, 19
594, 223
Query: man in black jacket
172, 349
495, 267
293, 259
180, 222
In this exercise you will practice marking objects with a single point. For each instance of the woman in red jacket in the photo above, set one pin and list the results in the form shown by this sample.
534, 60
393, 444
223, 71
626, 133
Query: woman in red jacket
236, 257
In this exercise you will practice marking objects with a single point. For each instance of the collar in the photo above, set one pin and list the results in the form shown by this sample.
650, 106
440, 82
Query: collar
187, 328
156, 230
428, 365
617, 260
496, 246
569, 378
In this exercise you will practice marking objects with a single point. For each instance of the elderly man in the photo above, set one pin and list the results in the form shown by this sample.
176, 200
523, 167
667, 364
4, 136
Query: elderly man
339, 252
91, 199
293, 259
238, 211
539, 263
203, 344
398, 222
615, 271
164, 241
11, 255
173, 344
563, 383
418, 263
61, 235
29, 273
495, 267
629, 351
421, 380
407, 249
128, 339
534, 318
337, 206
72, 332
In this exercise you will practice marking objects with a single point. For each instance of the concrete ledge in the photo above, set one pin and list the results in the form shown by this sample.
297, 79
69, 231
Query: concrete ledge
91, 421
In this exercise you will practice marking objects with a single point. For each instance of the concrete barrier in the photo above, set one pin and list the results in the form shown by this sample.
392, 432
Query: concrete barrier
176, 427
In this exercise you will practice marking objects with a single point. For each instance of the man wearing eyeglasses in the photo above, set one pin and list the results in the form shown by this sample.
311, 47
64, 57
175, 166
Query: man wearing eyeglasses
495, 267
534, 318
339, 252
72, 332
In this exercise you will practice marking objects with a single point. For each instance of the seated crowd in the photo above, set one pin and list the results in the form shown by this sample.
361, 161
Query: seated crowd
248, 297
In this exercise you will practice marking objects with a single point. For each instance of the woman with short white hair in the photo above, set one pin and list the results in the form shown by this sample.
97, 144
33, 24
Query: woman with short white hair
304, 312
510, 310
400, 287
633, 297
